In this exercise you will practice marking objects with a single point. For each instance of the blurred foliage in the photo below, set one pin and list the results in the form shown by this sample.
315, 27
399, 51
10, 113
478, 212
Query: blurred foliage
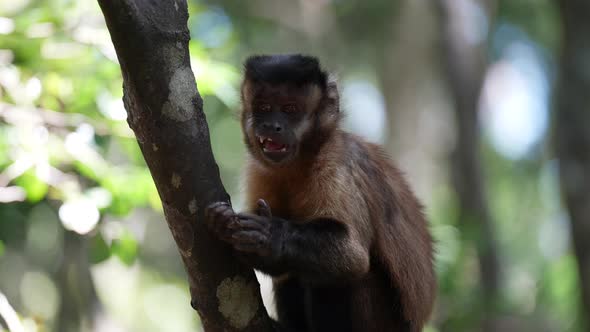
65, 146
79, 211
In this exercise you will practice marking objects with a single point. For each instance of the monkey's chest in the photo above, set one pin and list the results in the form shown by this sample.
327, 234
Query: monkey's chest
296, 203
292, 206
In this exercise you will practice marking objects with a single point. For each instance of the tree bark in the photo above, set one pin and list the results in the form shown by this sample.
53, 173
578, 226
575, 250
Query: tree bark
466, 63
572, 134
165, 111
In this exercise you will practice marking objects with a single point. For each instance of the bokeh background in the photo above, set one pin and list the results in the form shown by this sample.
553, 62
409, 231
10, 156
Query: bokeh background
460, 92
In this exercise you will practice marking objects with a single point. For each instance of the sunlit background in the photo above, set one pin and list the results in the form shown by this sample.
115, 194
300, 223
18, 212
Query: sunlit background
83, 242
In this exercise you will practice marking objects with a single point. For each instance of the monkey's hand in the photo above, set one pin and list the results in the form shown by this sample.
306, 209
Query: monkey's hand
246, 232
221, 220
253, 233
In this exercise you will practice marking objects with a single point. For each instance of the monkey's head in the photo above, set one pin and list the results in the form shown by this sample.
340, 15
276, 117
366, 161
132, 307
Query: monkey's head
289, 107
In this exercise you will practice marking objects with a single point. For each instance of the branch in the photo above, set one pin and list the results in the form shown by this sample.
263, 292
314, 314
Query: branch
165, 111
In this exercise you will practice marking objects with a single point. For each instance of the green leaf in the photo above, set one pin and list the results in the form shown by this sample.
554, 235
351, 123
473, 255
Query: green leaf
125, 247
35, 188
99, 249
1, 248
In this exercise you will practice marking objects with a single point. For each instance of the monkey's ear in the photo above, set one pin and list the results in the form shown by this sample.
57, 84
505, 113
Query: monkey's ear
332, 94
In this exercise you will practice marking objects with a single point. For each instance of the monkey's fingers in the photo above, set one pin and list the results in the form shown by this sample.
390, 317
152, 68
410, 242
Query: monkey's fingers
216, 204
249, 224
219, 219
253, 217
222, 220
251, 241
249, 237
212, 209
263, 209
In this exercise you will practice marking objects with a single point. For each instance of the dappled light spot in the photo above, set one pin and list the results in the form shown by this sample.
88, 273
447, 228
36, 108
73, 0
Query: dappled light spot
218, 79
41, 30
515, 99
365, 109
99, 196
79, 215
12, 194
39, 294
6, 25
111, 106
52, 50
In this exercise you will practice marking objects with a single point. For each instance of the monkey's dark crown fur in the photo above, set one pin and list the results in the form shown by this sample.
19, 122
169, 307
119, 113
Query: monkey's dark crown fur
285, 68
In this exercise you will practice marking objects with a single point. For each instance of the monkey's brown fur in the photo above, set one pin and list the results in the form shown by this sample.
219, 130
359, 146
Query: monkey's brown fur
354, 182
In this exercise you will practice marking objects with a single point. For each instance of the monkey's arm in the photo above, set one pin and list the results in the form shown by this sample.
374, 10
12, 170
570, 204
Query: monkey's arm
319, 250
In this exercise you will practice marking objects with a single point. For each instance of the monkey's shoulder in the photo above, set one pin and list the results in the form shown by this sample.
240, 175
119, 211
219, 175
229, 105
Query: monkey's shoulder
359, 158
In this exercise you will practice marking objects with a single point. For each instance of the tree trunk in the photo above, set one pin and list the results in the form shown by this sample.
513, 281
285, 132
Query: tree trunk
79, 302
573, 133
466, 64
408, 73
165, 111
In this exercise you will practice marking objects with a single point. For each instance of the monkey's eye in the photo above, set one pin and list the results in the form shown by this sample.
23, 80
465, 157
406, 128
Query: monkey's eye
263, 107
289, 108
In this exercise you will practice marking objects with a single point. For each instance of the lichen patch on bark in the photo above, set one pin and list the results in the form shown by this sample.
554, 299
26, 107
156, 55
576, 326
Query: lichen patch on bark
192, 206
176, 180
238, 301
182, 88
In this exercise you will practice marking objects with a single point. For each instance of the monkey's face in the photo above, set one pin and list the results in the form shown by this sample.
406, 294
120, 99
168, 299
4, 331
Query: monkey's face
275, 119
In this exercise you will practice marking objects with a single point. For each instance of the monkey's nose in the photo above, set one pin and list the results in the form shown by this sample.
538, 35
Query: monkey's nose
276, 127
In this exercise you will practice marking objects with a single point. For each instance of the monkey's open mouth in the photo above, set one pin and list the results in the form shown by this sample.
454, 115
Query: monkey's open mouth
272, 146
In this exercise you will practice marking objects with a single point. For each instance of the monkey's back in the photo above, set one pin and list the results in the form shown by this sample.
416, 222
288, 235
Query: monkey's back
403, 242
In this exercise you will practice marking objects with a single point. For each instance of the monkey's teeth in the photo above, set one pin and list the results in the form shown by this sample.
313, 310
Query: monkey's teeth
264, 139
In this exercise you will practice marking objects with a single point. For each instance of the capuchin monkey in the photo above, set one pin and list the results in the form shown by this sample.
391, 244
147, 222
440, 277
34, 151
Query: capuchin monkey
329, 216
